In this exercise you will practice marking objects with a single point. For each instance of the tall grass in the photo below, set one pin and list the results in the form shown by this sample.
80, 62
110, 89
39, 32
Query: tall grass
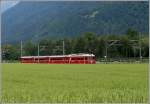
99, 83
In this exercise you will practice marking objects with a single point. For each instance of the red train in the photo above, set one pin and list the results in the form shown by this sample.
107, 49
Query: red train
60, 59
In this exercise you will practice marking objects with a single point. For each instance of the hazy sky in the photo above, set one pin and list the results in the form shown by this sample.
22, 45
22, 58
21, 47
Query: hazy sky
6, 4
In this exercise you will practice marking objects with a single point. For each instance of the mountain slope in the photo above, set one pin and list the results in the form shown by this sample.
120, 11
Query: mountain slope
54, 19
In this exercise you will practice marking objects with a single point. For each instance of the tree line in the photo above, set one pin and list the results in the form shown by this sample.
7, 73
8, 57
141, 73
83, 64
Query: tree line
112, 46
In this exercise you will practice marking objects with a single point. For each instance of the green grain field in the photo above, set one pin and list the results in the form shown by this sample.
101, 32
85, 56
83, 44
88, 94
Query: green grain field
97, 83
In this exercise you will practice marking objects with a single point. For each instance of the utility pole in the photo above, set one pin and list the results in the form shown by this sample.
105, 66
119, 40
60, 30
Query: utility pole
38, 52
140, 50
134, 52
106, 51
21, 49
110, 43
63, 47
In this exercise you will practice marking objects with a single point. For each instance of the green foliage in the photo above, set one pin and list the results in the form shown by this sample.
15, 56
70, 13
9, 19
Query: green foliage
29, 49
86, 43
145, 46
79, 45
132, 34
46, 47
90, 41
10, 52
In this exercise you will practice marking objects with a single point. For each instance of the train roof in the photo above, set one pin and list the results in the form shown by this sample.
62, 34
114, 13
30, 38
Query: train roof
57, 56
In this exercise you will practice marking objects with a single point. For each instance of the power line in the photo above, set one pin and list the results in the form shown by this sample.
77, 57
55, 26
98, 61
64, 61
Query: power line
133, 43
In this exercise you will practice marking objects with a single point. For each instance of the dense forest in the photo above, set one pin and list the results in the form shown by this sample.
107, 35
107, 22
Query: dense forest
117, 46
68, 19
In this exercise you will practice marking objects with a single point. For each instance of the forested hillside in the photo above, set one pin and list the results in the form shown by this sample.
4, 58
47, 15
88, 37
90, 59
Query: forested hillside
52, 19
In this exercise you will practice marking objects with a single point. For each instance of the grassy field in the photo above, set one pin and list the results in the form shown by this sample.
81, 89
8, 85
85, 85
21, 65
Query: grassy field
75, 83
